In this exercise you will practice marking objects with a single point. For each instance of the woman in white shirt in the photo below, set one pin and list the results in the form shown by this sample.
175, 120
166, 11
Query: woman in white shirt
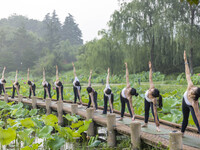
151, 101
190, 101
16, 86
108, 96
31, 84
59, 86
76, 86
47, 86
126, 97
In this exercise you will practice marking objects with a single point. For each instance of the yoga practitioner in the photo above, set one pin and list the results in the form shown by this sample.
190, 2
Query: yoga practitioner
126, 97
151, 101
47, 86
190, 101
92, 94
76, 86
2, 82
31, 84
16, 86
108, 95
59, 86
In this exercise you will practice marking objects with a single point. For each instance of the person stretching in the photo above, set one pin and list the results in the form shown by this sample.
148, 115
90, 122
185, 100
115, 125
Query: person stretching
190, 101
47, 86
126, 97
31, 84
59, 86
2, 82
108, 95
76, 86
16, 86
151, 101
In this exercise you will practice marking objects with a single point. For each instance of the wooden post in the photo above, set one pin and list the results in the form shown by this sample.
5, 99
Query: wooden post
175, 140
34, 102
6, 97
20, 97
48, 106
89, 115
74, 109
111, 123
60, 112
135, 135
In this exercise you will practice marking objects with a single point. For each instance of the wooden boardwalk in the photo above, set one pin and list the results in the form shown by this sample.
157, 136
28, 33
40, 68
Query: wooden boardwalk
191, 140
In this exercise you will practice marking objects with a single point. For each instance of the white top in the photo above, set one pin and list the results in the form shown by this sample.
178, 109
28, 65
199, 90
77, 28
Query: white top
0, 82
32, 83
146, 96
76, 79
56, 85
107, 87
123, 93
45, 83
186, 99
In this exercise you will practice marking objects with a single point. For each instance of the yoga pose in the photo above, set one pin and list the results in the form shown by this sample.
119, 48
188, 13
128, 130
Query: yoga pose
59, 86
31, 84
2, 82
16, 86
190, 101
92, 94
151, 101
108, 95
76, 86
47, 86
126, 97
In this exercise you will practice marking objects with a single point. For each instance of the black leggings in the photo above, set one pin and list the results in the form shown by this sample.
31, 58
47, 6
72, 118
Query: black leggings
30, 92
186, 112
147, 106
2, 89
76, 94
13, 93
49, 90
106, 99
95, 100
57, 91
123, 101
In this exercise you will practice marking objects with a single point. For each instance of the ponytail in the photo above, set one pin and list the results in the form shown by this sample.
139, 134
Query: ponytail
160, 105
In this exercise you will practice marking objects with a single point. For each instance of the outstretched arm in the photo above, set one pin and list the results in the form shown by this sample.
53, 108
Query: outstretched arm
57, 78
3, 72
74, 69
107, 79
187, 71
28, 74
16, 76
150, 76
44, 75
89, 81
127, 76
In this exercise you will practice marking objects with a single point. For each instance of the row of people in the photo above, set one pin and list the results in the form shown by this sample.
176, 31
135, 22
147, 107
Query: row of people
153, 98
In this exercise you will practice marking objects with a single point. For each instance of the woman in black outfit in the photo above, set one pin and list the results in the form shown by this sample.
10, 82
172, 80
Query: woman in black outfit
92, 94
2, 82
190, 101
31, 84
16, 86
59, 86
47, 86
108, 95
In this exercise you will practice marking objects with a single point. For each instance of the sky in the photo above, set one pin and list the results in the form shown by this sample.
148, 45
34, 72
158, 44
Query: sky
90, 15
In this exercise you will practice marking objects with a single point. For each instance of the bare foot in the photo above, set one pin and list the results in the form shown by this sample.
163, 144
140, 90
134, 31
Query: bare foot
120, 119
158, 129
182, 134
133, 119
144, 125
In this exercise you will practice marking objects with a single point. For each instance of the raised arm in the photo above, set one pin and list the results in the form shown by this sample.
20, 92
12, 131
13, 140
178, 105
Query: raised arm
187, 71
16, 76
74, 69
150, 76
3, 72
44, 75
28, 74
57, 78
107, 79
127, 76
89, 81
